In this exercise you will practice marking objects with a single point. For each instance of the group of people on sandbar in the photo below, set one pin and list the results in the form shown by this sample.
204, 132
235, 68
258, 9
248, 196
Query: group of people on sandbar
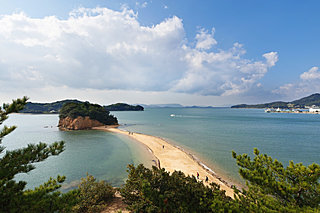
130, 133
198, 176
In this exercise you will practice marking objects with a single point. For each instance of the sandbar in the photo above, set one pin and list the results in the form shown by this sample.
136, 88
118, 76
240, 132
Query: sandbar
173, 158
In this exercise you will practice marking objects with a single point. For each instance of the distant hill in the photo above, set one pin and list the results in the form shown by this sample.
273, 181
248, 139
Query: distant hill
161, 105
313, 99
205, 107
43, 108
172, 106
123, 107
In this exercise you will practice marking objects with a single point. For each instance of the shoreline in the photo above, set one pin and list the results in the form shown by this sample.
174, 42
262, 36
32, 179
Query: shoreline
293, 112
296, 112
172, 157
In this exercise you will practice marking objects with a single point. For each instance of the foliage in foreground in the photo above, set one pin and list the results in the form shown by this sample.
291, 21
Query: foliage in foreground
270, 188
93, 196
274, 188
156, 190
13, 196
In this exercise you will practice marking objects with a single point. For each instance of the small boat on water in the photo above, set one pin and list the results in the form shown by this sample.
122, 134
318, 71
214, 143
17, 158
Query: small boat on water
172, 115
267, 110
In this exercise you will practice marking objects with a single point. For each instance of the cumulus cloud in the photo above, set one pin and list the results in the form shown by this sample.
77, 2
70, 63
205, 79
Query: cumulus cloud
205, 40
103, 49
308, 83
222, 72
271, 57
312, 74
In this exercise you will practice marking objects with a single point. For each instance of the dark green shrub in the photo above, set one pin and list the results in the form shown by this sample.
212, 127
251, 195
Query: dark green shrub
270, 188
93, 196
156, 190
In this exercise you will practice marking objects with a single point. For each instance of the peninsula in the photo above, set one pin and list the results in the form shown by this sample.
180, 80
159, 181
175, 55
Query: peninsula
78, 116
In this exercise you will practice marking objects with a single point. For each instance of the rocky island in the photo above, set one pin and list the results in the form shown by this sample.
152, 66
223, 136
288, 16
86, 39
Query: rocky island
78, 116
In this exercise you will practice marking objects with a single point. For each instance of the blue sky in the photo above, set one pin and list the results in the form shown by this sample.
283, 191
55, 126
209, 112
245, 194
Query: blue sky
197, 52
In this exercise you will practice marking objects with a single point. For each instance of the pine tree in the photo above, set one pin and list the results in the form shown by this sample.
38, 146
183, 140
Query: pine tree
270, 188
13, 196
275, 188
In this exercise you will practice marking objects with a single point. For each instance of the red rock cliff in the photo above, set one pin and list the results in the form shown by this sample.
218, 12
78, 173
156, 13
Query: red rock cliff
78, 123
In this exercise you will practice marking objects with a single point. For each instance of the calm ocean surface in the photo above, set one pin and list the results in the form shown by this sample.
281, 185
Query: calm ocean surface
210, 134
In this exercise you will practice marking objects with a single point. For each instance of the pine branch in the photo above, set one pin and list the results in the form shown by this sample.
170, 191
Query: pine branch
20, 160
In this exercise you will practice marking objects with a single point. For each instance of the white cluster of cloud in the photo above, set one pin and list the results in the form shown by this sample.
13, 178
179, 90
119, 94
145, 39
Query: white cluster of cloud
222, 72
204, 40
308, 83
104, 49
141, 5
311, 75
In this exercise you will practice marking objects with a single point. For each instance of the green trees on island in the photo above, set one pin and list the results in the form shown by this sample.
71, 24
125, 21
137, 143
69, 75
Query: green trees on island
54, 107
123, 107
94, 111
271, 187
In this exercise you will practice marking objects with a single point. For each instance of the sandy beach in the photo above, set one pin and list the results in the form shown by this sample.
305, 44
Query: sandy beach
172, 158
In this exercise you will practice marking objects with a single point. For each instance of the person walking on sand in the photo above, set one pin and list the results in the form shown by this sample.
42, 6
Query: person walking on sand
162, 146
197, 175
207, 178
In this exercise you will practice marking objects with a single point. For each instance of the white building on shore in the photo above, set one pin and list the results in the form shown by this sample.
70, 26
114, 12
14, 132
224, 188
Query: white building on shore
314, 109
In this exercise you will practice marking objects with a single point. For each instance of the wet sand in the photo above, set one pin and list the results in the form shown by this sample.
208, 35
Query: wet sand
173, 158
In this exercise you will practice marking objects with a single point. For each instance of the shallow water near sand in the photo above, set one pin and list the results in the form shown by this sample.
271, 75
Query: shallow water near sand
101, 154
210, 134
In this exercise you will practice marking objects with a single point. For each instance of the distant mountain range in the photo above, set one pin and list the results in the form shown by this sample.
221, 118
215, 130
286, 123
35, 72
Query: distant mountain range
172, 106
123, 107
41, 108
311, 100
161, 105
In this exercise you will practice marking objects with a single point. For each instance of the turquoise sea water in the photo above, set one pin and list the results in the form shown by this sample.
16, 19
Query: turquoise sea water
101, 154
210, 134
